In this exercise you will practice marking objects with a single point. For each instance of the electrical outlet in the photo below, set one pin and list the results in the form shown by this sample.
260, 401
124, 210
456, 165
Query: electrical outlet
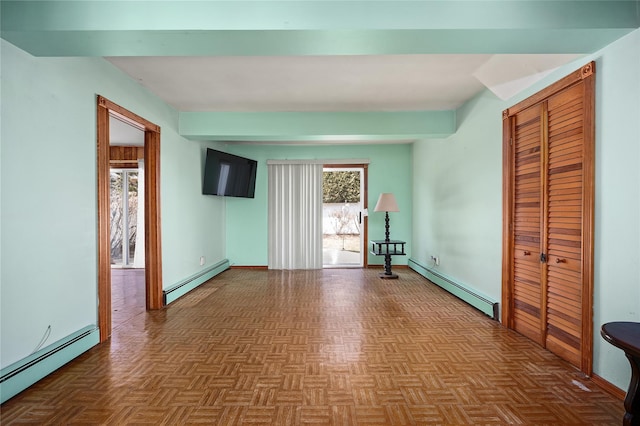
436, 260
201, 260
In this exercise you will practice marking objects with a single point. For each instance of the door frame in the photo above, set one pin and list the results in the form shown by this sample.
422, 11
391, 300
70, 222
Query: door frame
153, 252
365, 202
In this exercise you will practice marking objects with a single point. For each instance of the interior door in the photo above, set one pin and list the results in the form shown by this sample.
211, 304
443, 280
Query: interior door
527, 224
564, 236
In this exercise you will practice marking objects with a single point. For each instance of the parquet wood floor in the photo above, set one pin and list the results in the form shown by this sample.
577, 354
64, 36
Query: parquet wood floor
127, 295
326, 347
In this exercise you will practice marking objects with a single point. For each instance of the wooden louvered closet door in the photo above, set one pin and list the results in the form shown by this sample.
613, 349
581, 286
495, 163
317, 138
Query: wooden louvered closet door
548, 215
527, 223
564, 224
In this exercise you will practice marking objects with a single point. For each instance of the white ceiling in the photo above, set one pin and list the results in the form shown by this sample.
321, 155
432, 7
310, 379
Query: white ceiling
334, 83
124, 134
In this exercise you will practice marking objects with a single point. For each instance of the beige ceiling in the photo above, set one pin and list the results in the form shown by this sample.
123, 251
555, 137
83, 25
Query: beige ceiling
334, 83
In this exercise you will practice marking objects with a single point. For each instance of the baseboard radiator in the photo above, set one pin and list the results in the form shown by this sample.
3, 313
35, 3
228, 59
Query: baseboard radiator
461, 291
185, 286
20, 375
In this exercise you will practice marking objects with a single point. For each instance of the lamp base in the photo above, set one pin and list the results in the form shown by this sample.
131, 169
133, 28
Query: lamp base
387, 267
388, 276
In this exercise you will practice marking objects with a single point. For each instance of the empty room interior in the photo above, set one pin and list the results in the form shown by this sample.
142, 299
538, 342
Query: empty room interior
330, 212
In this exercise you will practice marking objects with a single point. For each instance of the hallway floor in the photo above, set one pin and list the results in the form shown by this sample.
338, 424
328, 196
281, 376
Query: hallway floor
127, 295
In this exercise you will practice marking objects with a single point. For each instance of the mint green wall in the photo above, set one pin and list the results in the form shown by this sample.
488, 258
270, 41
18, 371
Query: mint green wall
457, 198
193, 225
389, 171
48, 195
457, 195
617, 215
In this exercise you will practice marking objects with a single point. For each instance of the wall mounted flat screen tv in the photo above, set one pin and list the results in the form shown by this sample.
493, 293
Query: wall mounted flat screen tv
229, 175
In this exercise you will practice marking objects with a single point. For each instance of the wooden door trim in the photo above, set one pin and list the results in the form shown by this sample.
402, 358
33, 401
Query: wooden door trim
587, 77
578, 75
104, 247
507, 218
153, 252
588, 213
153, 249
365, 202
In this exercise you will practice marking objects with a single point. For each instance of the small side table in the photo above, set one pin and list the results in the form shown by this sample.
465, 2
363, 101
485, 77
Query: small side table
388, 248
626, 336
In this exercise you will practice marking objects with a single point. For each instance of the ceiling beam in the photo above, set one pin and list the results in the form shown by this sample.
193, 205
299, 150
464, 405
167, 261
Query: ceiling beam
316, 126
195, 28
90, 15
306, 42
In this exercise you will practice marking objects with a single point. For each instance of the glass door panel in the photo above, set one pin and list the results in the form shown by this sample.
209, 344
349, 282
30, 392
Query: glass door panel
342, 214
117, 214
132, 216
124, 220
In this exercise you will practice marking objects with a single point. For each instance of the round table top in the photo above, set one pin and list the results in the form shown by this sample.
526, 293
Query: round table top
624, 335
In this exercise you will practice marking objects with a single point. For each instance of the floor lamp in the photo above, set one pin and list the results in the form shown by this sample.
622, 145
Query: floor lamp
387, 203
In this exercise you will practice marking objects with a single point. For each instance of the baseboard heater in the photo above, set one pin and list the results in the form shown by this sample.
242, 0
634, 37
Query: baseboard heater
461, 291
185, 286
20, 375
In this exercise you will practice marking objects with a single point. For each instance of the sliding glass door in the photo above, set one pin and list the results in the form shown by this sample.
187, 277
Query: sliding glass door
124, 216
343, 217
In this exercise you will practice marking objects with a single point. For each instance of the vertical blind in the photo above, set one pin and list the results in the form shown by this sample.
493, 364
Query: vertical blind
295, 216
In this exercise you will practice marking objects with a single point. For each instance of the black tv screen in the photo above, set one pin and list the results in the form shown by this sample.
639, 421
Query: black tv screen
229, 175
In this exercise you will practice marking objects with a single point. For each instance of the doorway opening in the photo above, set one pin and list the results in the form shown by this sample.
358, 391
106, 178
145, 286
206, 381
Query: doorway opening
126, 159
135, 170
344, 216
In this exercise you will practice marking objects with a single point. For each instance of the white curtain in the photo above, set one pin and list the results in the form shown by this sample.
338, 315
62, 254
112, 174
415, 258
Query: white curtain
138, 256
295, 216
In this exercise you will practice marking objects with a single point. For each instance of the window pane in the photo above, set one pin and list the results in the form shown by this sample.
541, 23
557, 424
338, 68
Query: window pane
116, 218
133, 213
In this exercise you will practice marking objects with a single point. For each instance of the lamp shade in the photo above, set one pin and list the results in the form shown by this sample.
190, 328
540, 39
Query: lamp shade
386, 203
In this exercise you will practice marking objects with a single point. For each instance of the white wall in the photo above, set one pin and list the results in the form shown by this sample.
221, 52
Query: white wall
458, 195
48, 268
